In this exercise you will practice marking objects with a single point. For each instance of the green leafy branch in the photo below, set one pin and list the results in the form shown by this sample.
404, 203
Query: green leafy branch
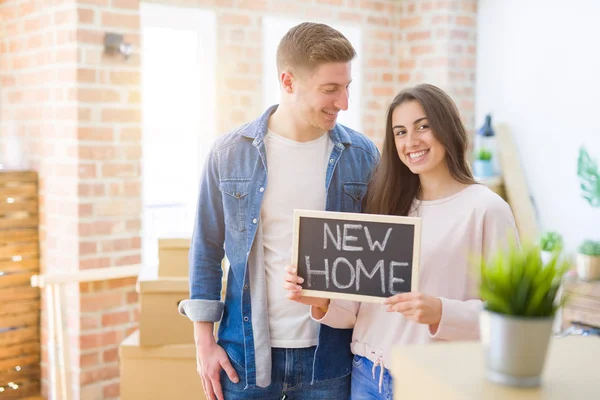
587, 170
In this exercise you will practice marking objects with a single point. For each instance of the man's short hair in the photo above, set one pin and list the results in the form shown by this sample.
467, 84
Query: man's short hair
310, 44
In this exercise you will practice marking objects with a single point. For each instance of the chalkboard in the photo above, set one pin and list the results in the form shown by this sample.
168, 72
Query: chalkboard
361, 257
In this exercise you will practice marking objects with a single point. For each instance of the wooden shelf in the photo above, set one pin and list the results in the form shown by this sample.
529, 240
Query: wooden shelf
19, 302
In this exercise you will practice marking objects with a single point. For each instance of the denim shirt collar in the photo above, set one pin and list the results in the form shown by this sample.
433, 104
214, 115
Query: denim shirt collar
257, 129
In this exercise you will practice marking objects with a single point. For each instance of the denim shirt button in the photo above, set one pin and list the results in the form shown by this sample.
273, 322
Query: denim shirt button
245, 287
340, 145
262, 189
254, 221
331, 161
246, 319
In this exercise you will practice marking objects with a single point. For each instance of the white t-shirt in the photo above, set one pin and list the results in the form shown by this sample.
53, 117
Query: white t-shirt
296, 173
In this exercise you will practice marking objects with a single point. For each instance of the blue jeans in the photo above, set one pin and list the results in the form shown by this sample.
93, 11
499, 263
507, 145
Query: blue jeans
365, 386
291, 375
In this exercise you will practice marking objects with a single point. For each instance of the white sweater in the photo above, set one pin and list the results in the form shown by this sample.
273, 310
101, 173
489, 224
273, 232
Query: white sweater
475, 221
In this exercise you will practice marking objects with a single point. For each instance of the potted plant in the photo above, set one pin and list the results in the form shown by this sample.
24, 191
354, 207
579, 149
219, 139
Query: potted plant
482, 165
519, 292
550, 242
588, 260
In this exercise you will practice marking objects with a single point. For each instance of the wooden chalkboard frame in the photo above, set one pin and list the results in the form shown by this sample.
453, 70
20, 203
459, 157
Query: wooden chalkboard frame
389, 219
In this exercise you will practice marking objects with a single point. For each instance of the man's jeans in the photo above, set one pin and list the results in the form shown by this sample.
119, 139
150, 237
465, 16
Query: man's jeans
290, 380
370, 382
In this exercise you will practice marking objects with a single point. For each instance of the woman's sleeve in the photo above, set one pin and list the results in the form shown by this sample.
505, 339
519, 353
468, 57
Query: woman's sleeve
460, 318
341, 314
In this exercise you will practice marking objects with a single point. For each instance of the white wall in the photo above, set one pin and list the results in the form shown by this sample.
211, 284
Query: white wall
538, 71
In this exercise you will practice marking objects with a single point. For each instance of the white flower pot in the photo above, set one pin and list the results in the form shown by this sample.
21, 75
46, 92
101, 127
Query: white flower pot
588, 267
515, 348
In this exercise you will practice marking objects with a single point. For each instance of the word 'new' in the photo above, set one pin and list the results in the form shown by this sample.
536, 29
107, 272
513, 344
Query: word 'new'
340, 241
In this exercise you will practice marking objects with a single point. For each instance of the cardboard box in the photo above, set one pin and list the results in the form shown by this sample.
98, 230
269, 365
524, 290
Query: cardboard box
160, 321
173, 257
158, 373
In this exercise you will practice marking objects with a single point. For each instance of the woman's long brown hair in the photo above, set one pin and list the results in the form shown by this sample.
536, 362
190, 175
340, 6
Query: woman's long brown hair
394, 187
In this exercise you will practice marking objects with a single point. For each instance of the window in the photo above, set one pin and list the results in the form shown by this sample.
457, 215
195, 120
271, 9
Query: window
178, 117
273, 30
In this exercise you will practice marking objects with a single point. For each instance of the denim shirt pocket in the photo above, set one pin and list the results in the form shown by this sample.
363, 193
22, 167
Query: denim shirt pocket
354, 192
235, 202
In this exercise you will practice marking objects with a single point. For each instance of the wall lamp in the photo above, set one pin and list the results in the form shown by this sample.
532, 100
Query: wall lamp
113, 43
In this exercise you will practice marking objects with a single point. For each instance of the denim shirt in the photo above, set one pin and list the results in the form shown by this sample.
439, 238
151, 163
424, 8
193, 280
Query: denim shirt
228, 224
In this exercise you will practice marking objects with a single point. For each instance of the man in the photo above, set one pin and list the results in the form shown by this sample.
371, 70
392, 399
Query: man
294, 156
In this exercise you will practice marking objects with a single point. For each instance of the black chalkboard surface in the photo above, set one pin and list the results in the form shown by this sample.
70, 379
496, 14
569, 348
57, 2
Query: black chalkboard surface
361, 257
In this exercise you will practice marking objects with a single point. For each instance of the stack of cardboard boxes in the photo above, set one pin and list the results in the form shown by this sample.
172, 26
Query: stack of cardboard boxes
159, 360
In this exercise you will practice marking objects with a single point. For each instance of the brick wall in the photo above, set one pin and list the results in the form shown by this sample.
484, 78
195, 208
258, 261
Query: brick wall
78, 112
38, 107
109, 187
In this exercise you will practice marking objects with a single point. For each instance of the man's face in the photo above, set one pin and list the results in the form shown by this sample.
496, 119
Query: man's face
320, 95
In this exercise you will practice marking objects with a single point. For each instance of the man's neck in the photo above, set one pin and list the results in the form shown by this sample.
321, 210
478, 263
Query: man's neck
283, 123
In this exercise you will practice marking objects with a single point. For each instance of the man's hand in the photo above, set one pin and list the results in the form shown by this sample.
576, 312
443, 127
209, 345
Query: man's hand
292, 285
210, 359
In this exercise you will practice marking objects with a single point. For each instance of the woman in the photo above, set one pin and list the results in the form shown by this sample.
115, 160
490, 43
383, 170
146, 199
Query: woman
423, 172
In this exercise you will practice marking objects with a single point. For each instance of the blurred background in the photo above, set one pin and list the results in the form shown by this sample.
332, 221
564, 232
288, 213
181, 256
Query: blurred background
115, 103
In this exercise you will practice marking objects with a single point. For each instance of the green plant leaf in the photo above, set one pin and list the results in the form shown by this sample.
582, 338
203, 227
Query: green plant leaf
517, 282
587, 170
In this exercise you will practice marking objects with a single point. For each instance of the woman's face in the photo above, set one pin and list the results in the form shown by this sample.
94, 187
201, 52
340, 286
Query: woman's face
416, 143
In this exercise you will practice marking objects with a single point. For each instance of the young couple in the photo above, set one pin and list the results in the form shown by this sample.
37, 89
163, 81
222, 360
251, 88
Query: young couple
272, 342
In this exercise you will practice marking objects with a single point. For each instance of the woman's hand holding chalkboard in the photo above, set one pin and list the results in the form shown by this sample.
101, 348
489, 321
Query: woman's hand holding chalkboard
416, 306
292, 285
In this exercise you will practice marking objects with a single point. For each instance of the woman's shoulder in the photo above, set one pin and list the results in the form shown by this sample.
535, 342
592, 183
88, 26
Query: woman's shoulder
486, 200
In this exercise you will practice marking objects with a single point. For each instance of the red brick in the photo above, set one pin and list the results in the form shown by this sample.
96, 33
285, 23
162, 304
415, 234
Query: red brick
115, 318
87, 171
132, 297
89, 322
407, 64
110, 355
133, 153
123, 244
234, 19
117, 20
120, 115
410, 22
85, 16
111, 390
421, 49
99, 374
87, 248
90, 341
119, 170
383, 91
124, 282
129, 260
91, 189
97, 153
125, 77
98, 262
89, 359
126, 4
416, 36
350, 17
379, 21
130, 134
95, 133
101, 301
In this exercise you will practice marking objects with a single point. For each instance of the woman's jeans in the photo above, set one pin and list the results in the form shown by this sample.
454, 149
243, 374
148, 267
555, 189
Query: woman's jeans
370, 381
